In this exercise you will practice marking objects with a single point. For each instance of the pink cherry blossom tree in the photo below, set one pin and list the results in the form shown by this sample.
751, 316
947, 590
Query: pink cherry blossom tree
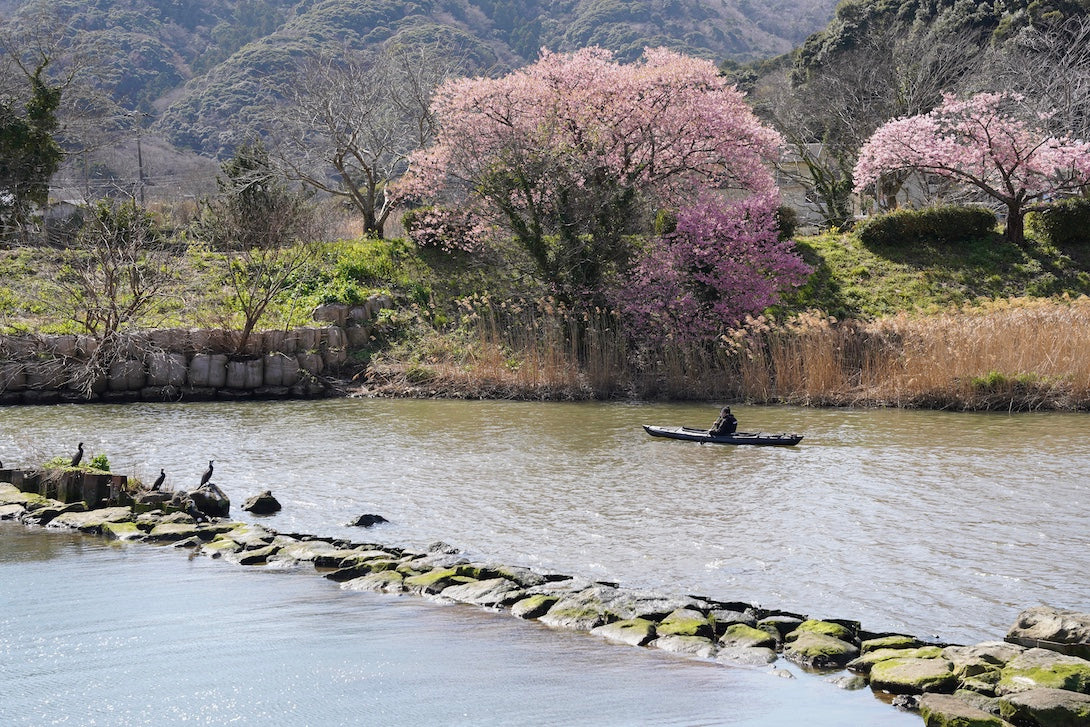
986, 141
571, 155
722, 262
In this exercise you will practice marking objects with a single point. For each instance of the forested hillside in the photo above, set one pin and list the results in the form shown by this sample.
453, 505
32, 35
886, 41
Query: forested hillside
206, 71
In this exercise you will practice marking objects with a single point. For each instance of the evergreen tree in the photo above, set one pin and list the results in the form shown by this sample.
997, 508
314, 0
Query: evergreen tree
29, 154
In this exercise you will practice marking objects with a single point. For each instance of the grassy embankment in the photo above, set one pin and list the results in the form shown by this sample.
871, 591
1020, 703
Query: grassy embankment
984, 325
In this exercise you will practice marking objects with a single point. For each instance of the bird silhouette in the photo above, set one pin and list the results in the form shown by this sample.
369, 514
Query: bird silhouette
78, 455
207, 473
159, 480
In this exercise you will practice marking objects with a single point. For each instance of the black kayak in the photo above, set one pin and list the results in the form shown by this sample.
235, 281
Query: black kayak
701, 435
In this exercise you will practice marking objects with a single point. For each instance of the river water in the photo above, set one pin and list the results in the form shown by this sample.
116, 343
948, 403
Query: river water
936, 524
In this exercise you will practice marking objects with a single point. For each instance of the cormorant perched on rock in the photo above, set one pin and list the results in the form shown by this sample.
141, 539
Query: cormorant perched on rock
159, 480
207, 473
78, 455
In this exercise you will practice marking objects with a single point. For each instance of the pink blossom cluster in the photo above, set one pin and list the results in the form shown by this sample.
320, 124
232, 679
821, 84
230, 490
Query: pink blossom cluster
574, 124
723, 262
984, 141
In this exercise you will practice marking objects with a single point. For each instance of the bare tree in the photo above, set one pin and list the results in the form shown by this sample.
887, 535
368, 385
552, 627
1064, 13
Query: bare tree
110, 278
1051, 67
835, 108
353, 119
262, 228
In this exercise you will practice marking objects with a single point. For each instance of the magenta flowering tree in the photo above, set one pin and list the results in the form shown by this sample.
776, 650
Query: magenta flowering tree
722, 262
986, 142
571, 155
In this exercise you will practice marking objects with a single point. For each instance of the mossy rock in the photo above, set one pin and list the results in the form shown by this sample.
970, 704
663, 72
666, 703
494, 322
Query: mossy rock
945, 710
779, 626
895, 641
534, 606
255, 556
122, 531
820, 651
92, 520
828, 628
746, 637
577, 618
12, 495
983, 682
358, 557
633, 631
170, 532
689, 645
1040, 668
913, 676
865, 662
1047, 708
492, 592
220, 546
746, 655
386, 581
433, 581
686, 622
12, 511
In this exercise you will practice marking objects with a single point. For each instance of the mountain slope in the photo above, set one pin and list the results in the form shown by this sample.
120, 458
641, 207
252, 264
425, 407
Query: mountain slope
209, 69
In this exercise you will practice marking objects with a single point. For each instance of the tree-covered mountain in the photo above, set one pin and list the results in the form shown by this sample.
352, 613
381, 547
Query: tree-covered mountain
207, 70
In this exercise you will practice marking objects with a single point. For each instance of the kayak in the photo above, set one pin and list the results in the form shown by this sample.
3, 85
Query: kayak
701, 435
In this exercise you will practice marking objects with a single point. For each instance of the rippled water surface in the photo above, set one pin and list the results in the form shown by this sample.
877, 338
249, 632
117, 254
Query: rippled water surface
935, 524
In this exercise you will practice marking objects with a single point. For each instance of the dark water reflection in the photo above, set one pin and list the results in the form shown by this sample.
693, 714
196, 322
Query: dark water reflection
928, 522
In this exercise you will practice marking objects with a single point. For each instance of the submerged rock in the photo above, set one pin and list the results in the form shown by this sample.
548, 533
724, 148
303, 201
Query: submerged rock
367, 520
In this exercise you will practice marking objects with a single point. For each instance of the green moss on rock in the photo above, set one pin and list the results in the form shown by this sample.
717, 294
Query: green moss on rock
686, 622
828, 628
633, 631
743, 636
1040, 668
945, 710
896, 641
820, 651
433, 581
534, 606
913, 676
865, 662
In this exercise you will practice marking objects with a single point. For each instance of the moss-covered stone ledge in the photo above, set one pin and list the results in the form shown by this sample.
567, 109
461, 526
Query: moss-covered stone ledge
993, 683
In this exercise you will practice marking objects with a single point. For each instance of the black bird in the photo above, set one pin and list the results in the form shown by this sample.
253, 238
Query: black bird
207, 473
159, 480
78, 455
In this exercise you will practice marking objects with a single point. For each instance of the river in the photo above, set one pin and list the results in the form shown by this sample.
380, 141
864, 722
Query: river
931, 523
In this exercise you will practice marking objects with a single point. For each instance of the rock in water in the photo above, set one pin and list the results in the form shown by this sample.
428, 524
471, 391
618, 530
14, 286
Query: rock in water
263, 504
366, 521
211, 500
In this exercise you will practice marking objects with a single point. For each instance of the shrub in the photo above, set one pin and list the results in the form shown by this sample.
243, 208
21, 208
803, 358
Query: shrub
787, 221
949, 225
1066, 222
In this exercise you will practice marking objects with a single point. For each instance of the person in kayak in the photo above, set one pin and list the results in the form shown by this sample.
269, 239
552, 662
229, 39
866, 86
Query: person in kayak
725, 424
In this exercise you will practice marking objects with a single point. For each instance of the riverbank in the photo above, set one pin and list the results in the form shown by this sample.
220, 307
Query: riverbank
1015, 679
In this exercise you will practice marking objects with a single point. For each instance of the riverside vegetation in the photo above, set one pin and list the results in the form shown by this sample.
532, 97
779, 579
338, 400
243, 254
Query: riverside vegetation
984, 324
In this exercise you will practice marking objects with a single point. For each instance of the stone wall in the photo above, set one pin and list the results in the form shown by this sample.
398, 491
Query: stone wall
172, 364
191, 364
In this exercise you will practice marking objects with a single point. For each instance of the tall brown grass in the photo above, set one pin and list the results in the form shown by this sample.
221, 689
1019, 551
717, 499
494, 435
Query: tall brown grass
1017, 354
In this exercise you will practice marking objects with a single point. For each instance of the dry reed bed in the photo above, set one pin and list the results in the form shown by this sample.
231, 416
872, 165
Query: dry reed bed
1014, 355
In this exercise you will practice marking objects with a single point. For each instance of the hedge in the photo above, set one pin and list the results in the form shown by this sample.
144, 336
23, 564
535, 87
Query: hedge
1066, 222
947, 224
